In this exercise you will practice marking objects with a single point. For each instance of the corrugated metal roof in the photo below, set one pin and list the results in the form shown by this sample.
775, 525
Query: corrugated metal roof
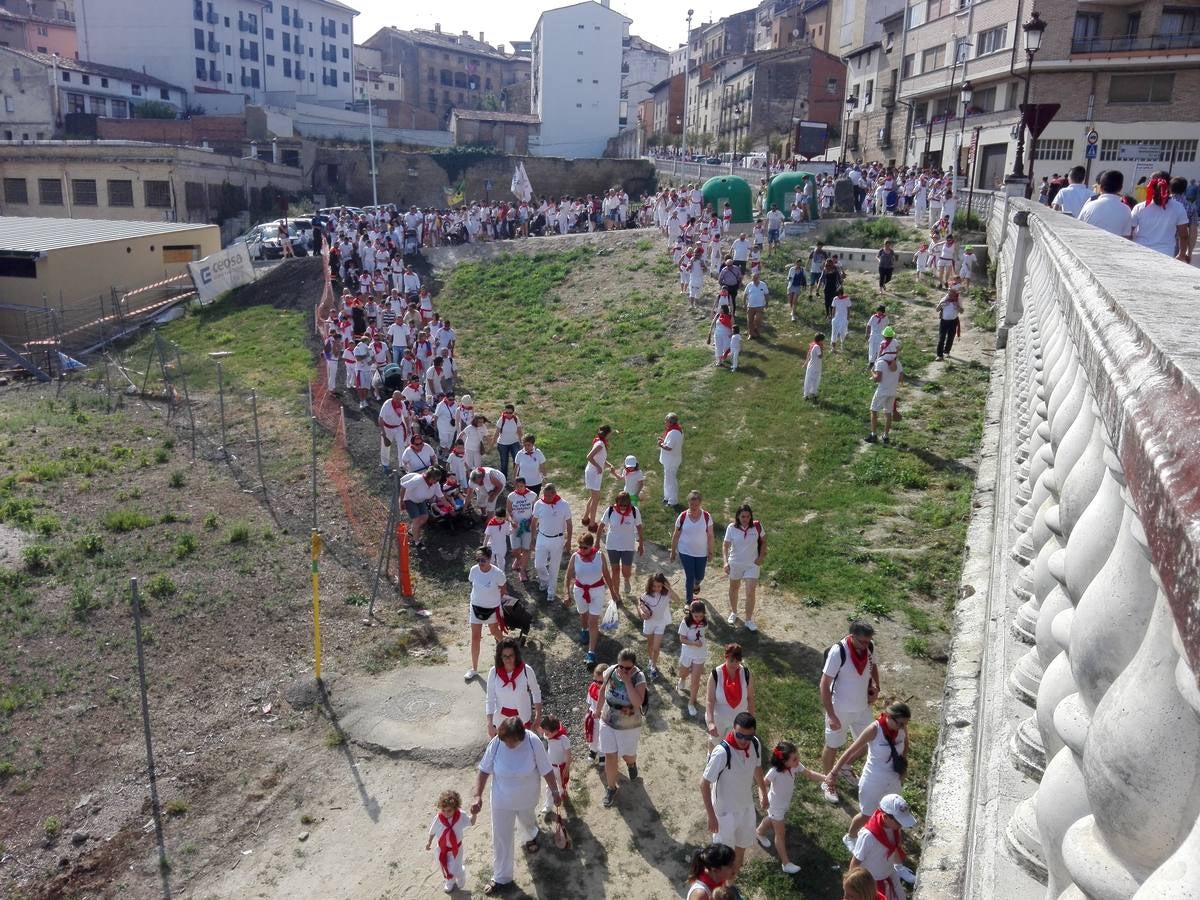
20, 234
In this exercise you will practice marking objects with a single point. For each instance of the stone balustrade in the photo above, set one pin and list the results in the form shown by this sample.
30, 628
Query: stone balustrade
1069, 761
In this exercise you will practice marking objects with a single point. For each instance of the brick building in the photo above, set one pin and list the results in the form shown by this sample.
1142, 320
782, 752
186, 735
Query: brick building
25, 30
872, 76
440, 72
667, 97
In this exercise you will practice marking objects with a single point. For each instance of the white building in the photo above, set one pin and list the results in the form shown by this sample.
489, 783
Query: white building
227, 47
577, 57
643, 66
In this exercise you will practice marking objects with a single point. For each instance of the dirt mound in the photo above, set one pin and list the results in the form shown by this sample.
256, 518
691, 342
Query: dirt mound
293, 284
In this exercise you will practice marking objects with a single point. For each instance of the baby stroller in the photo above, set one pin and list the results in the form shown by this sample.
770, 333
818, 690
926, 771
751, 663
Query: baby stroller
411, 245
452, 508
457, 233
537, 227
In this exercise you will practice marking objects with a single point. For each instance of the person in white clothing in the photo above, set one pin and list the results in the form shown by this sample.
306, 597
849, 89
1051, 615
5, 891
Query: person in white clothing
744, 549
485, 486
496, 533
551, 529
886, 373
620, 529
692, 543
879, 849
875, 325
1160, 222
512, 689
731, 774
393, 431
447, 830
417, 491
508, 437
417, 456
593, 471
781, 784
558, 751
486, 606
621, 716
756, 304
719, 333
730, 692
849, 685
587, 579
670, 454
1108, 211
474, 438
735, 347
710, 868
519, 505
332, 352
885, 743
654, 606
515, 760
693, 652
445, 414
1070, 199
839, 325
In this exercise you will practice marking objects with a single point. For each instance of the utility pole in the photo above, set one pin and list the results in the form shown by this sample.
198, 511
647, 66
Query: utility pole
687, 60
371, 136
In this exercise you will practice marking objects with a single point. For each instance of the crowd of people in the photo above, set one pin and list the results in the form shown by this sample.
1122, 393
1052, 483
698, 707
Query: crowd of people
385, 342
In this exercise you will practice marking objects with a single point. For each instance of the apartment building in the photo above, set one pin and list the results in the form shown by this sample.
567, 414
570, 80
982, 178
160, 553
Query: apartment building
577, 57
667, 97
1131, 73
39, 91
440, 72
872, 78
251, 48
643, 65
28, 31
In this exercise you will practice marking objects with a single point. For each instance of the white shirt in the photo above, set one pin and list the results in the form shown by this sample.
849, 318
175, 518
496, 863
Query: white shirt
889, 381
743, 543
398, 332
876, 324
620, 530
516, 772
671, 452
1155, 225
485, 586
1071, 199
659, 606
775, 219
849, 687
529, 465
693, 533
740, 250
874, 857
841, 308
417, 489
756, 295
552, 520
732, 786
522, 505
781, 784
506, 429
521, 694
1108, 212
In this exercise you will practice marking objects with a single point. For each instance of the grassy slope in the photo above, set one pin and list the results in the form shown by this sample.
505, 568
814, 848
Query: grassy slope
749, 435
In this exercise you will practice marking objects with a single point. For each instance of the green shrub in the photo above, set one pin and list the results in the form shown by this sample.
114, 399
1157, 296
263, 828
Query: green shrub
90, 544
211, 523
11, 580
161, 587
177, 479
239, 533
161, 455
81, 602
36, 558
18, 511
185, 545
121, 521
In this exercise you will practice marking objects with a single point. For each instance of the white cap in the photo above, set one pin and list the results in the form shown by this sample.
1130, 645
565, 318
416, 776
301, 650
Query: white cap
897, 807
631, 462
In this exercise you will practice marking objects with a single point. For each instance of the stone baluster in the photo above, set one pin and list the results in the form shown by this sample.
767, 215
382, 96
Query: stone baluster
1141, 769
1063, 408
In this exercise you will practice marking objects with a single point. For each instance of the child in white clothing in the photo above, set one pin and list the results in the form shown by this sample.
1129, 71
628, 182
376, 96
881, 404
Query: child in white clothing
591, 722
495, 535
735, 348
812, 371
447, 830
840, 323
558, 751
635, 478
921, 259
781, 782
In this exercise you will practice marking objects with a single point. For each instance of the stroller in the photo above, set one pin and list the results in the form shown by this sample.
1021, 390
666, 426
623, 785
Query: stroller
452, 508
411, 246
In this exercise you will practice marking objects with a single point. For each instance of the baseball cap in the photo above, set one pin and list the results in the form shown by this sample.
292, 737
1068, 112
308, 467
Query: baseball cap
896, 807
889, 332
631, 462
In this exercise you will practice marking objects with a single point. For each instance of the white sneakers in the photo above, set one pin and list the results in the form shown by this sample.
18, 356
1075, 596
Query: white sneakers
750, 626
692, 710
828, 793
470, 675
905, 873
849, 842
790, 868
763, 842
731, 618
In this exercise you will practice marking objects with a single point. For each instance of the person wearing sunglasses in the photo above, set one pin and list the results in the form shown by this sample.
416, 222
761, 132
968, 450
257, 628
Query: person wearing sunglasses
733, 770
621, 716
885, 742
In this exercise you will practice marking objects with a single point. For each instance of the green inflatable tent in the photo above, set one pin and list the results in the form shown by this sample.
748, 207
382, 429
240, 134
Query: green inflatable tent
782, 191
729, 188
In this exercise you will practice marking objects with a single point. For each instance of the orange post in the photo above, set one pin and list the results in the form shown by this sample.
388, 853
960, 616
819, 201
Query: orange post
402, 559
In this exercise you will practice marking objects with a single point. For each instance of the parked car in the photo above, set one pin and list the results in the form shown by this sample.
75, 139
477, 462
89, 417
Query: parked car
713, 160
263, 242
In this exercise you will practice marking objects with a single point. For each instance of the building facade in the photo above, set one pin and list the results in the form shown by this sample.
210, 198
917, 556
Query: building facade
440, 72
245, 47
577, 58
667, 97
41, 34
1131, 74
643, 65
42, 91
507, 132
872, 78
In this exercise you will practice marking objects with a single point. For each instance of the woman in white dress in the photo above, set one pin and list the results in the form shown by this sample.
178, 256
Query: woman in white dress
485, 607
587, 580
885, 742
593, 471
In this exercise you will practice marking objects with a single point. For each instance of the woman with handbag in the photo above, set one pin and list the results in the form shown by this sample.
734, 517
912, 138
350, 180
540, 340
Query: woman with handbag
587, 579
885, 741
512, 689
622, 709
486, 604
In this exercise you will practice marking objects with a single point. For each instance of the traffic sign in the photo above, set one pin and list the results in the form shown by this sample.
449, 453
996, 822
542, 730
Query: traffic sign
1093, 137
1091, 151
487, 184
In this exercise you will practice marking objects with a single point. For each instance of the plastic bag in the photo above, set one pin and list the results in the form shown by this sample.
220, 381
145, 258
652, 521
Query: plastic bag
611, 617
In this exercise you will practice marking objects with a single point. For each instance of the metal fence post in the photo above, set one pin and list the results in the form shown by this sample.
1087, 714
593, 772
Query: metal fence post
221, 405
154, 804
187, 397
258, 445
312, 418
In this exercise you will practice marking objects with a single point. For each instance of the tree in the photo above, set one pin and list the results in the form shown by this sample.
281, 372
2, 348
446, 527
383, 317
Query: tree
490, 102
722, 146
154, 109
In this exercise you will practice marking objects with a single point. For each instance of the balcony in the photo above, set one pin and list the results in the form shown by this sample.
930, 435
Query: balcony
212, 18
1189, 40
244, 53
213, 46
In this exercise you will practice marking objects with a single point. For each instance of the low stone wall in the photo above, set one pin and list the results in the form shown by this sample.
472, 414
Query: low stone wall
343, 175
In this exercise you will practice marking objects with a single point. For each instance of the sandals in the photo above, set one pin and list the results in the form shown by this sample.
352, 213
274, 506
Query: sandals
494, 888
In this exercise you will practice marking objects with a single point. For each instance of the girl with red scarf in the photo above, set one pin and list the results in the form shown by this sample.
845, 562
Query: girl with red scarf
710, 868
558, 751
879, 848
447, 830
591, 724
730, 692
781, 782
593, 471
885, 742
720, 331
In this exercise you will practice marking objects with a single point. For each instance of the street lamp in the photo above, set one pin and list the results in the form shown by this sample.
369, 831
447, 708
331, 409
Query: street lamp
1033, 42
733, 148
965, 96
371, 137
851, 104
687, 60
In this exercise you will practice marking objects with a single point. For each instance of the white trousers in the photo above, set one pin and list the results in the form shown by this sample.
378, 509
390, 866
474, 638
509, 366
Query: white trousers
547, 558
331, 370
396, 436
458, 871
670, 483
505, 823
734, 353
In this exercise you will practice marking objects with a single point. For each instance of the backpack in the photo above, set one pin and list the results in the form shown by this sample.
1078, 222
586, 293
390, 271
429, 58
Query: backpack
724, 745
841, 645
679, 521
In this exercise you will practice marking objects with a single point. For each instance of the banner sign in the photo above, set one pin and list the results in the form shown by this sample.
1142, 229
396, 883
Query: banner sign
221, 272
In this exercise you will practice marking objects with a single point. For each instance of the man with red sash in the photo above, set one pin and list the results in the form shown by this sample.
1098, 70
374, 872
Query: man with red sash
849, 685
393, 430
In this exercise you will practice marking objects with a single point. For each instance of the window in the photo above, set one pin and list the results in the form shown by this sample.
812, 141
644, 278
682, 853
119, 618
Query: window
269, 34
120, 108
346, 80
158, 194
831, 87
74, 103
345, 53
50, 192
270, 60
16, 191
1087, 25
287, 41
164, 94
198, 10
906, 68
1179, 21
345, 28
103, 82
97, 106
136, 90
916, 15
1148, 87
83, 192
870, 92
933, 58
198, 38
991, 41
984, 101
66, 76
1055, 149
921, 112
1133, 24
581, 27
201, 69
936, 8
254, 78
87, 79
287, 67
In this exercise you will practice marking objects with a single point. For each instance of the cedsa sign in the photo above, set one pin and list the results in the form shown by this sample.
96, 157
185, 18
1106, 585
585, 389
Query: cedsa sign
220, 272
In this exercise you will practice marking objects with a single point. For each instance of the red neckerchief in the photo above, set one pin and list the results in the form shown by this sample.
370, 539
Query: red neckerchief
562, 731
732, 685
593, 691
628, 511
860, 660
730, 740
510, 681
448, 843
725, 319
672, 426
885, 836
398, 406
602, 439
587, 555
707, 880
494, 521
554, 498
507, 416
879, 316
521, 491
888, 732
414, 384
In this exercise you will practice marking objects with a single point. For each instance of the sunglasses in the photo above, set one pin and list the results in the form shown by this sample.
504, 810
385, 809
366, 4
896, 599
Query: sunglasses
625, 668
742, 736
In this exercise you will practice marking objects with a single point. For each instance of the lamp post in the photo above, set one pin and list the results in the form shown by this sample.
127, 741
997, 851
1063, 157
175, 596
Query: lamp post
733, 149
965, 96
961, 48
851, 104
687, 61
371, 138
1033, 42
